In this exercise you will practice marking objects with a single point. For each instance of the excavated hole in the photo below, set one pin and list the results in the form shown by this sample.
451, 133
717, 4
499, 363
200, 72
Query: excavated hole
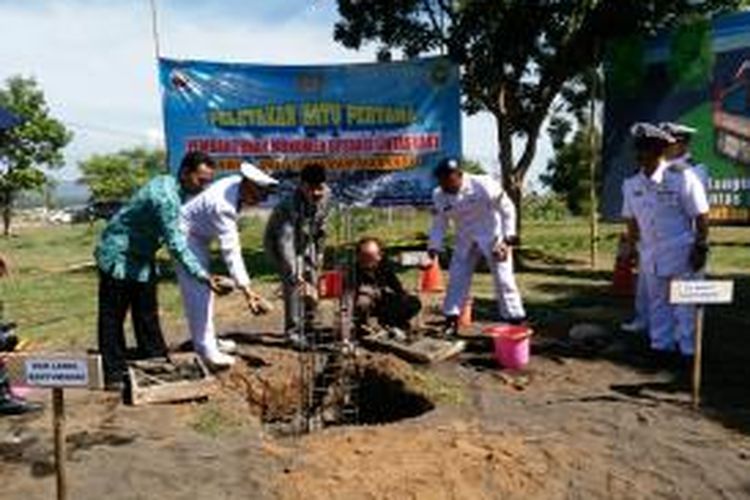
385, 390
383, 399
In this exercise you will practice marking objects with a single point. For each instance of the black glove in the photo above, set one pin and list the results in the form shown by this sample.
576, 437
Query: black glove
698, 256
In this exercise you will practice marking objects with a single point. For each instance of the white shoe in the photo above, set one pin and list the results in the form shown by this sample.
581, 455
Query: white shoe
219, 360
227, 346
634, 326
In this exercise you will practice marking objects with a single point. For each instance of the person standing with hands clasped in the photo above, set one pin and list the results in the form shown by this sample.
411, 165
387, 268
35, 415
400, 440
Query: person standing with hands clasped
484, 218
666, 212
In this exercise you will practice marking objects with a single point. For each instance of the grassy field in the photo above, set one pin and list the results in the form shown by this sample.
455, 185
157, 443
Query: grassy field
51, 292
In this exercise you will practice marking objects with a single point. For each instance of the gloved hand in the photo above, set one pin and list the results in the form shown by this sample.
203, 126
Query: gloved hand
699, 256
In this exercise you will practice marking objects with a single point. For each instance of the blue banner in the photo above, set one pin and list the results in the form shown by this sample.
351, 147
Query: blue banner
378, 128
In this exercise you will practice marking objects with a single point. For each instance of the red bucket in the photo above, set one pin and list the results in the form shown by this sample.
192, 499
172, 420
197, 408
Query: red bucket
512, 345
331, 284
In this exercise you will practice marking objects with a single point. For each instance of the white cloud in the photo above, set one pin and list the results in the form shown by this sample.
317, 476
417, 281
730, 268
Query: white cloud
95, 62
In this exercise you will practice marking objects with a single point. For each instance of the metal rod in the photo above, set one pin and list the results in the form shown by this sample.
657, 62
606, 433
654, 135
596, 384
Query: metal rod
58, 427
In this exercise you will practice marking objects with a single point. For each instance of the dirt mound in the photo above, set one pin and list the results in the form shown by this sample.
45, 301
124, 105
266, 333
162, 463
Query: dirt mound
404, 461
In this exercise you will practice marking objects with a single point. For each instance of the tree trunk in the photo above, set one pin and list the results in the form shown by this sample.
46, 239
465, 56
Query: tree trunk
6, 206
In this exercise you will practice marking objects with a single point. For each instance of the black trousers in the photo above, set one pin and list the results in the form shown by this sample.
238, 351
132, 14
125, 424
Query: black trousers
116, 297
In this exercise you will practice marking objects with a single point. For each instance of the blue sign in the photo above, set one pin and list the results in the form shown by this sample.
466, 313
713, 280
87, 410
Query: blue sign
378, 128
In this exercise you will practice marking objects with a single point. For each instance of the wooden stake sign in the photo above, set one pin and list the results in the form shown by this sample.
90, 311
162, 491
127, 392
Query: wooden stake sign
700, 293
58, 372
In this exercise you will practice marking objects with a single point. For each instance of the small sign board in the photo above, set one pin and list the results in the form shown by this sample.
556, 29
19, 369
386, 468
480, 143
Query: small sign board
701, 292
62, 371
413, 259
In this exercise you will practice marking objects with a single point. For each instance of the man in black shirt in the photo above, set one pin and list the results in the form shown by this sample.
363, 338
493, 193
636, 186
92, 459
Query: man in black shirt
378, 292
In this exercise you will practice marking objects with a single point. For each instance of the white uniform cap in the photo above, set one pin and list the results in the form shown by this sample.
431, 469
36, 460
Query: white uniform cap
257, 176
644, 130
677, 129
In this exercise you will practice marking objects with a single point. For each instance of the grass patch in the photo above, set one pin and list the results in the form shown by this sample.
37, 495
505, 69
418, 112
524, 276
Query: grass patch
214, 421
52, 295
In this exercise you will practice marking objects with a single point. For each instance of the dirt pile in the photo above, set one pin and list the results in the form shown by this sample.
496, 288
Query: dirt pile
405, 461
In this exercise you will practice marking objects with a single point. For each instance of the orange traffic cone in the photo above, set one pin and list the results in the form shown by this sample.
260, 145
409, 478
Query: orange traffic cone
432, 279
465, 318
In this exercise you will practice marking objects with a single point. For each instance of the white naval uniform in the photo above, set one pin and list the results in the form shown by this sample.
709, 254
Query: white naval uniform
212, 214
684, 162
665, 207
482, 215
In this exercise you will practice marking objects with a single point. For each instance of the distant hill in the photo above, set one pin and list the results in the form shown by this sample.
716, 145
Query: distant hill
69, 193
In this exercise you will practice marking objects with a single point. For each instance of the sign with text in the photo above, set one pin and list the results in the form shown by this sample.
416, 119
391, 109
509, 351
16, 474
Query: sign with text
378, 128
701, 292
59, 370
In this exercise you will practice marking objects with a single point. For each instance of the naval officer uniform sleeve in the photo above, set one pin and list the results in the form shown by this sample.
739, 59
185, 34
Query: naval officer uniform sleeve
504, 206
228, 235
693, 195
439, 222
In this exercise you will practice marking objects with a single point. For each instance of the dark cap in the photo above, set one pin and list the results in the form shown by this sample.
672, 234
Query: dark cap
446, 166
313, 173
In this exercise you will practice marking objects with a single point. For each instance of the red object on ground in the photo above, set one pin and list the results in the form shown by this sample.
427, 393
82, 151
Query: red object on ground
512, 345
331, 284
432, 279
623, 278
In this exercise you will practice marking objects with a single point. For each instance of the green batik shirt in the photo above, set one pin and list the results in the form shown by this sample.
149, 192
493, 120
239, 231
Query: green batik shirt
128, 245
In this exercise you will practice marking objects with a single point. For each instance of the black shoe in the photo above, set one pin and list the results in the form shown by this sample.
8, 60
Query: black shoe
8, 342
114, 382
663, 360
12, 405
114, 386
450, 328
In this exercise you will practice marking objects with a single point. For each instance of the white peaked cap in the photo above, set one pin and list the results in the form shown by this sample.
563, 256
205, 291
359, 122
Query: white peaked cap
677, 129
643, 130
257, 176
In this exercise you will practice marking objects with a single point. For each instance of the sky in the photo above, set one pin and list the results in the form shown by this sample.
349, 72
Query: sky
95, 61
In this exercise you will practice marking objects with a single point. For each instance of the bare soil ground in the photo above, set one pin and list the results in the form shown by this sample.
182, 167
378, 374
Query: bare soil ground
587, 420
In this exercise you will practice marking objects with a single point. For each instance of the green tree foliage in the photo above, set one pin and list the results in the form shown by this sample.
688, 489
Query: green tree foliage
472, 167
692, 55
517, 56
116, 176
28, 148
568, 173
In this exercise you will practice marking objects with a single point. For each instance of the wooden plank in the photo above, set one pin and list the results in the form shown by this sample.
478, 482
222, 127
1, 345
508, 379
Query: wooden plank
424, 350
166, 391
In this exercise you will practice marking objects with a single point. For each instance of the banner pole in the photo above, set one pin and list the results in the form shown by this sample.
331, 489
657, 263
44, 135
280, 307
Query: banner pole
155, 30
